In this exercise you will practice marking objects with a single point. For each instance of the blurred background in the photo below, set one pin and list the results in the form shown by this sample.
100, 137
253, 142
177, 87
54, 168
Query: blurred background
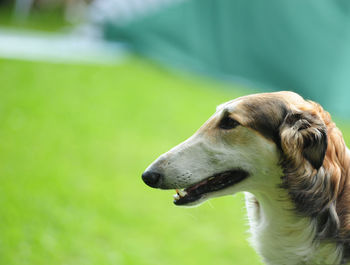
92, 91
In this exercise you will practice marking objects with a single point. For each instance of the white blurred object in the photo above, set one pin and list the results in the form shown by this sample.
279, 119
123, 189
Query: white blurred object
58, 48
122, 11
85, 44
22, 8
75, 10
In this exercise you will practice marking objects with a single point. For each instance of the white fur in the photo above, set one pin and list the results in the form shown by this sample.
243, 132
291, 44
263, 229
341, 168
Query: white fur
281, 237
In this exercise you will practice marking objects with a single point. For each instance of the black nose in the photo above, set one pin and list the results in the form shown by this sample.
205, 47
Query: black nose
152, 179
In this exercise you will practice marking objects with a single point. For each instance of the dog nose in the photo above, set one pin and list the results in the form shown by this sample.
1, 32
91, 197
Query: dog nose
151, 178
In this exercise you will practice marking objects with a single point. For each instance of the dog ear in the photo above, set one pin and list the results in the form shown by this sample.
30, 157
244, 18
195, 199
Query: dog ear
304, 136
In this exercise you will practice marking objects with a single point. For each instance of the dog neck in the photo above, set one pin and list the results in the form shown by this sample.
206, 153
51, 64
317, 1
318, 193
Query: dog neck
281, 236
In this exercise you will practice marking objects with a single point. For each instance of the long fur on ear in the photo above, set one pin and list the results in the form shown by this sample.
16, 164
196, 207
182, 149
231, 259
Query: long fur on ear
304, 136
304, 144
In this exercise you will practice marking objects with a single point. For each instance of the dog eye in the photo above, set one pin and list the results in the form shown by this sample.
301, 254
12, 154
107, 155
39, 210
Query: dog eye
227, 123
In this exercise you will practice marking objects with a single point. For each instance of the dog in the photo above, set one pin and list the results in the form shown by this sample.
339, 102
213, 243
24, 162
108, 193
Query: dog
291, 161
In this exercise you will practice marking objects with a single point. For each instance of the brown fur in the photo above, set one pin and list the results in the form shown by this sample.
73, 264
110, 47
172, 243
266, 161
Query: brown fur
314, 158
337, 163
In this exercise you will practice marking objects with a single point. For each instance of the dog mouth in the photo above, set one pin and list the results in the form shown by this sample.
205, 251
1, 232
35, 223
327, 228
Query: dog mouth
213, 183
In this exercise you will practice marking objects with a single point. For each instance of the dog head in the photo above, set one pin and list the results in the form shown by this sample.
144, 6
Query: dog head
240, 148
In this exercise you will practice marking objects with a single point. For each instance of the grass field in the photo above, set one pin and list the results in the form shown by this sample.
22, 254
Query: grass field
74, 141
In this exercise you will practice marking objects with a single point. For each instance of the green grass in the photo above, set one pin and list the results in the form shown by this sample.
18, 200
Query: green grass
74, 141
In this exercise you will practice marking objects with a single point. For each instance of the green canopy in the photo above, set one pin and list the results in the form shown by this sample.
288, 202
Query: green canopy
299, 45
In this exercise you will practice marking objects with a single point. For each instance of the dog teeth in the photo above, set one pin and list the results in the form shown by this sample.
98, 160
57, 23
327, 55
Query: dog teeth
182, 193
179, 194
